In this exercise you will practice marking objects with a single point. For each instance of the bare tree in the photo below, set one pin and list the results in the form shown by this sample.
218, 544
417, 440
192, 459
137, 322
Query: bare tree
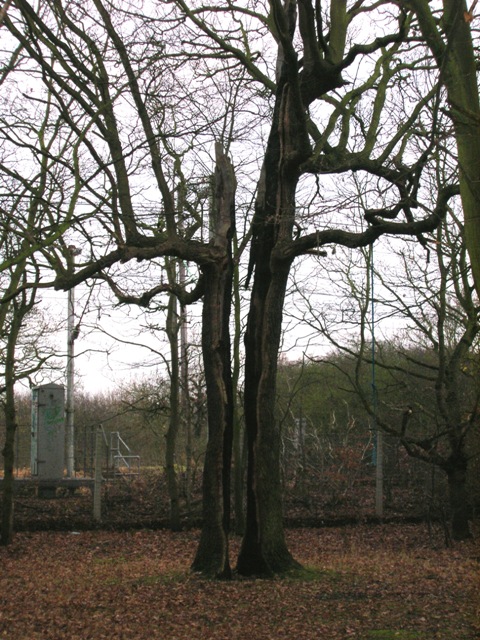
28, 184
431, 295
146, 104
306, 57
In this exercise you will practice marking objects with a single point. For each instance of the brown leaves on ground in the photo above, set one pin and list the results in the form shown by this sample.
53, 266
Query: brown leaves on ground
379, 582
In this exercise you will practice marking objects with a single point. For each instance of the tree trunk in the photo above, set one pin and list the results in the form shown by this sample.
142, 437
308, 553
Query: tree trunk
6, 531
212, 554
264, 550
173, 424
239, 452
239, 459
6, 536
458, 497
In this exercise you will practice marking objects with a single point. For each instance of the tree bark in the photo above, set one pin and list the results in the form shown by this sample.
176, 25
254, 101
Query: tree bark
264, 550
238, 447
456, 469
8, 452
8, 462
212, 554
173, 424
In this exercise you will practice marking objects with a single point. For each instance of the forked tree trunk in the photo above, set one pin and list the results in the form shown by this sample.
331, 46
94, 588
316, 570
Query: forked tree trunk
264, 550
212, 554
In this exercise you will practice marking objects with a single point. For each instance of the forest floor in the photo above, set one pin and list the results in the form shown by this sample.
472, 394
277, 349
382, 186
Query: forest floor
370, 582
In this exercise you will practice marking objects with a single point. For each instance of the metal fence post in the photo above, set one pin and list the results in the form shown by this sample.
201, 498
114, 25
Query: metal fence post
97, 485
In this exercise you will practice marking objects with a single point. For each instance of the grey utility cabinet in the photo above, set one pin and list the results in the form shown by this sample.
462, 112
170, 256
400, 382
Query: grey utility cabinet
48, 432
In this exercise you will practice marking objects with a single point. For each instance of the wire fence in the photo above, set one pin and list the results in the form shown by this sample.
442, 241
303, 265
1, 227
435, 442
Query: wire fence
332, 468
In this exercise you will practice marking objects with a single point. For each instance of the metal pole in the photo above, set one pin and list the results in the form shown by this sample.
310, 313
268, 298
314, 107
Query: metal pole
72, 333
379, 476
97, 484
